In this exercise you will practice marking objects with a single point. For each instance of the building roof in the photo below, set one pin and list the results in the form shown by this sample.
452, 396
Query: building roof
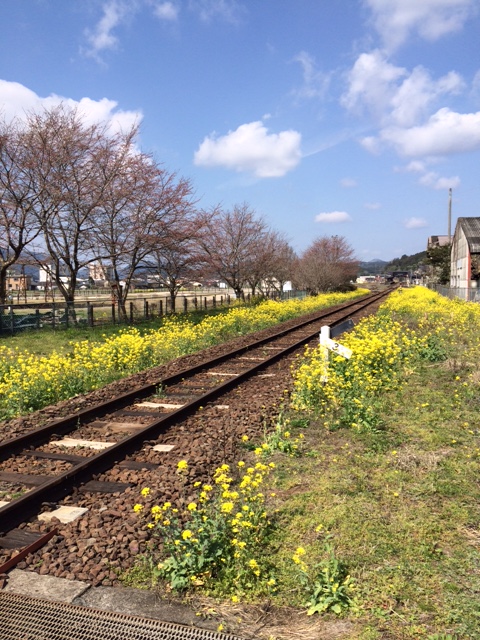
437, 241
471, 229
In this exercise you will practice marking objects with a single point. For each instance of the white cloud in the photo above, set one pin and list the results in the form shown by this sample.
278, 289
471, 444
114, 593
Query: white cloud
429, 178
166, 11
415, 223
333, 217
348, 183
401, 104
372, 84
101, 38
252, 149
16, 101
315, 83
418, 91
371, 144
373, 206
228, 10
433, 180
396, 20
445, 133
115, 13
392, 95
416, 166
476, 86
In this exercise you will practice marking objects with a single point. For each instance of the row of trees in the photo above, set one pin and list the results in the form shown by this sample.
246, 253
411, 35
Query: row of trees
73, 193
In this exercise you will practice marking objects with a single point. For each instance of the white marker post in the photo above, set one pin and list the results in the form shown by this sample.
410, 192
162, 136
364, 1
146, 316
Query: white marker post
327, 345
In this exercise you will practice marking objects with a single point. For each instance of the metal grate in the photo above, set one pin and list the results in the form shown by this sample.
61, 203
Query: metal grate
24, 618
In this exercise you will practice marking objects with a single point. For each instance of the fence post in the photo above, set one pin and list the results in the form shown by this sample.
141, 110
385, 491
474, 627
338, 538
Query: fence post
11, 320
89, 314
54, 310
185, 304
66, 316
145, 308
160, 307
131, 312
195, 302
37, 318
113, 313
205, 303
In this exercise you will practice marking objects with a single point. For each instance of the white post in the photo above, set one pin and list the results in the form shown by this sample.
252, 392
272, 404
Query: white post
324, 334
324, 338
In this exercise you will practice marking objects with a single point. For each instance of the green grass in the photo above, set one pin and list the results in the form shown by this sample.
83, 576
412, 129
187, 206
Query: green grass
400, 506
397, 508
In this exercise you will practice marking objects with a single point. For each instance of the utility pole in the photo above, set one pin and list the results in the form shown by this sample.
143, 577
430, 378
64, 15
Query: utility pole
450, 216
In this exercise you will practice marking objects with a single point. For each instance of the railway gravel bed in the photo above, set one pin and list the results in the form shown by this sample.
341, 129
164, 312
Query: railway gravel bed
107, 541
23, 424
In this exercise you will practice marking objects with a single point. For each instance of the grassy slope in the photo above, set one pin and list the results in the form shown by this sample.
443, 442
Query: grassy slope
402, 507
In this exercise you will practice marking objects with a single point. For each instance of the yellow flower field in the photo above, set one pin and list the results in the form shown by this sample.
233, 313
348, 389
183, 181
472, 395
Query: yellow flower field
28, 382
411, 324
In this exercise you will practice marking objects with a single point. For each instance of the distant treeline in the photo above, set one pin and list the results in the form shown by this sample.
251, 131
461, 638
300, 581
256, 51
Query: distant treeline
407, 263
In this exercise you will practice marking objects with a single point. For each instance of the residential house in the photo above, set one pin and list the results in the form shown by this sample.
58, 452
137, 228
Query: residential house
437, 241
18, 282
100, 274
465, 256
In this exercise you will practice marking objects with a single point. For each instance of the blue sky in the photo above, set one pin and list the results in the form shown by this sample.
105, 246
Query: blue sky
348, 117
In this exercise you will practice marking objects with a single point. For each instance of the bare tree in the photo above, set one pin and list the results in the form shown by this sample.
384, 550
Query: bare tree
271, 263
69, 185
260, 261
90, 195
229, 241
18, 200
281, 260
176, 259
327, 265
140, 206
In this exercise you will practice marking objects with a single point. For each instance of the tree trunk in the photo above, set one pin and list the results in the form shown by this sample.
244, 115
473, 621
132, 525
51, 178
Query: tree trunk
173, 300
3, 285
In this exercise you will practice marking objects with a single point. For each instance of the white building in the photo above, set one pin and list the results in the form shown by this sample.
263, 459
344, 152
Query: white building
465, 256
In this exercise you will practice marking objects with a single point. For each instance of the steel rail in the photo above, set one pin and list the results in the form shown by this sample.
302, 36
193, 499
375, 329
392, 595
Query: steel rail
61, 426
53, 490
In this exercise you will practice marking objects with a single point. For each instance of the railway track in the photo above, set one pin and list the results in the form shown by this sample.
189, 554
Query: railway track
85, 457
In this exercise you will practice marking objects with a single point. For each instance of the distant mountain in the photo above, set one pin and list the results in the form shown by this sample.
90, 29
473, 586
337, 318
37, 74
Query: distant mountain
372, 267
407, 263
414, 262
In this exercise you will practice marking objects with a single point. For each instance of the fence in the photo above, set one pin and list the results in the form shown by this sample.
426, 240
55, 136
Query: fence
463, 293
94, 313
99, 312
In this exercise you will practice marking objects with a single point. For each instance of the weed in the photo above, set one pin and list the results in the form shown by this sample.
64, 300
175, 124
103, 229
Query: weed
434, 349
160, 391
327, 583
299, 422
280, 439
219, 541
